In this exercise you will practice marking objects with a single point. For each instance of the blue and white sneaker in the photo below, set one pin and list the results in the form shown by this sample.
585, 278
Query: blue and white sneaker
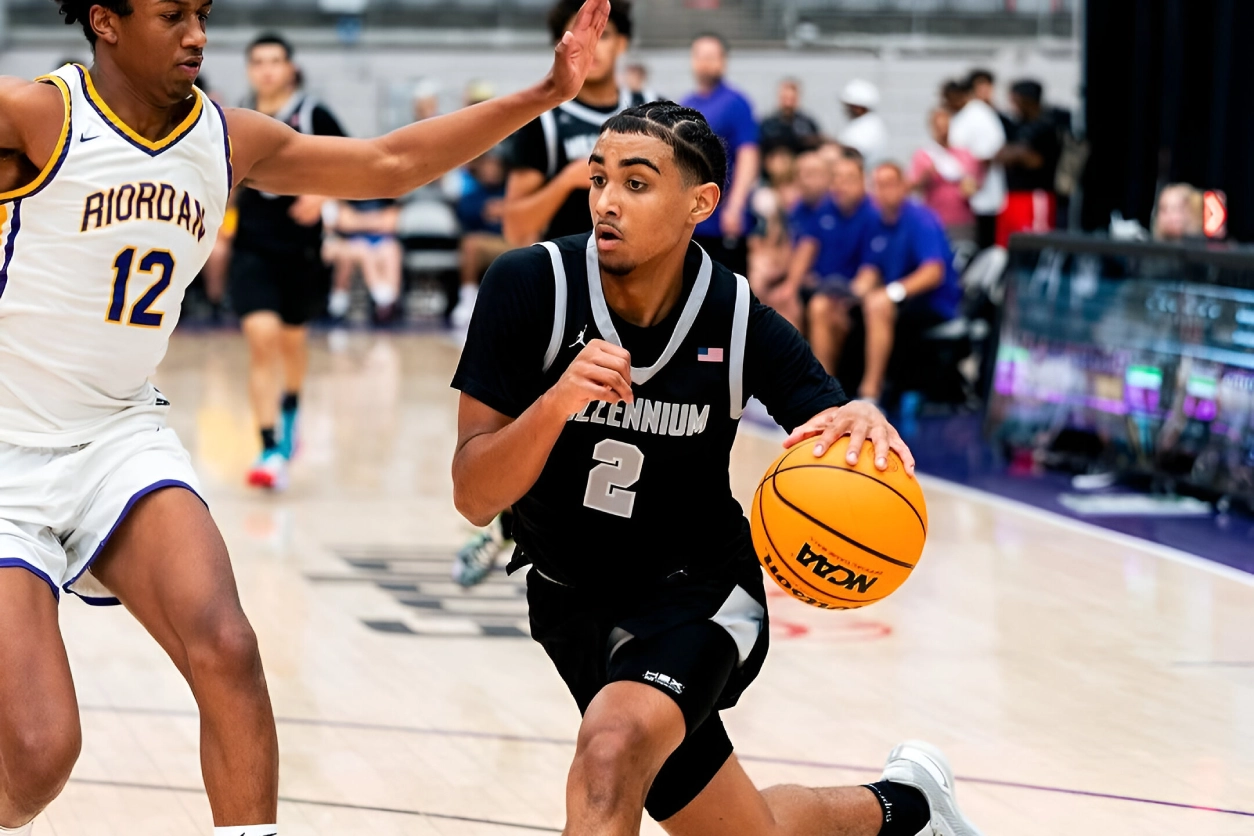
923, 766
287, 432
477, 558
269, 471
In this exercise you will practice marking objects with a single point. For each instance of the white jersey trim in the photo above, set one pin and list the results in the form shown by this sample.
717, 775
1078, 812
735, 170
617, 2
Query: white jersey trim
736, 354
559, 304
601, 311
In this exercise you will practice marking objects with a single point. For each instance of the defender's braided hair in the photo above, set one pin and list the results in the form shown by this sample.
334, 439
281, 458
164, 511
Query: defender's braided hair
699, 152
79, 11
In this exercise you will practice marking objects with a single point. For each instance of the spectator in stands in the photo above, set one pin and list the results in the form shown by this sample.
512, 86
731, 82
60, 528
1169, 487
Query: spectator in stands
724, 234
426, 99
479, 211
976, 128
907, 284
866, 131
365, 241
788, 127
832, 247
946, 178
546, 194
812, 182
1031, 162
1179, 214
636, 78
983, 87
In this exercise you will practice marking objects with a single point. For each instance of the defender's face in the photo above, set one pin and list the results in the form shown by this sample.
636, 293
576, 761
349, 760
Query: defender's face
160, 44
641, 207
270, 71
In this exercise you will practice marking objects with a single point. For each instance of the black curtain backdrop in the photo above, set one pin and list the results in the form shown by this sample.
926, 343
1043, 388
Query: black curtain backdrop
1169, 98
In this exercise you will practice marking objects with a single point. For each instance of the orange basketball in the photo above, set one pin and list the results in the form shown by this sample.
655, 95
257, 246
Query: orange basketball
835, 536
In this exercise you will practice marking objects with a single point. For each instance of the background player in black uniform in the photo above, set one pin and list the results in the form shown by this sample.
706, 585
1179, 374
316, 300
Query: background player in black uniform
278, 281
546, 195
602, 382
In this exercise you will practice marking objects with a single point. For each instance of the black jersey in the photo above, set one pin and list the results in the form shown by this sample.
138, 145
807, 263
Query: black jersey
633, 493
264, 220
568, 132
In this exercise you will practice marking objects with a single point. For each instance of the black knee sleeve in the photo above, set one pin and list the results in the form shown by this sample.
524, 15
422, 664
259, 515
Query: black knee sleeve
689, 769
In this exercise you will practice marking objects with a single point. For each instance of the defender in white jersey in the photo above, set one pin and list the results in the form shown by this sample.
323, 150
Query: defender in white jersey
117, 179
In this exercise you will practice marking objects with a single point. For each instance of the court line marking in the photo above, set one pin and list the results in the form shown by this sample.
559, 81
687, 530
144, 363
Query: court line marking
559, 741
310, 802
1092, 529
1027, 509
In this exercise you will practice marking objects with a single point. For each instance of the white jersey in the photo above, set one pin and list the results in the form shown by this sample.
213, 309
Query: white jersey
95, 254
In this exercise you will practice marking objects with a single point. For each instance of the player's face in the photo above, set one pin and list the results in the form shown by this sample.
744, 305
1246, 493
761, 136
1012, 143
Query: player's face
270, 71
605, 57
709, 62
890, 189
848, 184
160, 44
642, 208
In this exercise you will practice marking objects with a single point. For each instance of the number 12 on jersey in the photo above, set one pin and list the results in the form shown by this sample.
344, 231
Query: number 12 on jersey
123, 265
620, 468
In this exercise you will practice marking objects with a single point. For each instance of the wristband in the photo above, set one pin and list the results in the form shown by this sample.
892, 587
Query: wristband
896, 291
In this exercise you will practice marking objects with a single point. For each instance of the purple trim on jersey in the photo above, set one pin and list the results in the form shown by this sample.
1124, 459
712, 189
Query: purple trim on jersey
226, 141
14, 226
130, 503
18, 563
65, 152
152, 152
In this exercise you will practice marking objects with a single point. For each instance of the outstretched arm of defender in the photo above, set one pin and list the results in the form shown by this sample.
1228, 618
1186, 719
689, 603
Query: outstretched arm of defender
272, 157
498, 459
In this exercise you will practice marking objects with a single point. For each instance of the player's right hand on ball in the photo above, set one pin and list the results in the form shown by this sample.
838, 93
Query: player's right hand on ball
601, 372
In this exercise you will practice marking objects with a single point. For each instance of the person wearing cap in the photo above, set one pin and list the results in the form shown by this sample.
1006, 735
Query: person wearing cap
866, 131
1031, 163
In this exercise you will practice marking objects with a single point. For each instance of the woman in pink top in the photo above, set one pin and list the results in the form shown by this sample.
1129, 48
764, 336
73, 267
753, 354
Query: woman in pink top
945, 178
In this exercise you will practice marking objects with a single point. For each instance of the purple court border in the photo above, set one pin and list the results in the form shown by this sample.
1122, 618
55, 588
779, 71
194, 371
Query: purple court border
560, 741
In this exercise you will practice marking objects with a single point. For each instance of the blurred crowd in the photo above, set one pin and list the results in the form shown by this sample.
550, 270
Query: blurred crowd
865, 254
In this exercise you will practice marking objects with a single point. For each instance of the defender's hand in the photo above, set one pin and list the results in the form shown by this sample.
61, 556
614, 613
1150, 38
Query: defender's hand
575, 176
859, 420
601, 372
574, 53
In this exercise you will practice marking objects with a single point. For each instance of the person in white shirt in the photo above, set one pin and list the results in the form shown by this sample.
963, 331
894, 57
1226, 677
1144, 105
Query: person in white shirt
976, 129
866, 131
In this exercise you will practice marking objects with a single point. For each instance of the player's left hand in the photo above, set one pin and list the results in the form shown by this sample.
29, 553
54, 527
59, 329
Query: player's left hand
573, 56
860, 421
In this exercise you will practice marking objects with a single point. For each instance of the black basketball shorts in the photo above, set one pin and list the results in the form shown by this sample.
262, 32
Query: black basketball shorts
698, 641
293, 284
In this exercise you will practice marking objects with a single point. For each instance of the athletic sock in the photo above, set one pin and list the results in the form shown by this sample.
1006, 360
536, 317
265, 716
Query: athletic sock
291, 400
383, 296
267, 442
24, 830
906, 811
247, 830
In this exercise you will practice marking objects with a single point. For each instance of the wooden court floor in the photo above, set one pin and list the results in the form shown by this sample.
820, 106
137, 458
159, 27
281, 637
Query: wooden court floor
1081, 684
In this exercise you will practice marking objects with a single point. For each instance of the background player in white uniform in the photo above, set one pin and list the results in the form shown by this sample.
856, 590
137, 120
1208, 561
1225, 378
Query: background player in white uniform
119, 177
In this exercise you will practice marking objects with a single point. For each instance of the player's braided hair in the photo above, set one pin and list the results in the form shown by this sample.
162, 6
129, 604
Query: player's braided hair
79, 11
699, 153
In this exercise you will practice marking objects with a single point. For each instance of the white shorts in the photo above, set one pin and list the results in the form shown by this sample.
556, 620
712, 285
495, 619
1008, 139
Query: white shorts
59, 506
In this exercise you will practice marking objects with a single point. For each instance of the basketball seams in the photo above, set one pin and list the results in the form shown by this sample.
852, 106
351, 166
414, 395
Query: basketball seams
780, 463
880, 482
831, 530
783, 562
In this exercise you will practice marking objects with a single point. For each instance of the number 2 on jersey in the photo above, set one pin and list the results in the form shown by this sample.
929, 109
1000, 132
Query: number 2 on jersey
620, 468
150, 263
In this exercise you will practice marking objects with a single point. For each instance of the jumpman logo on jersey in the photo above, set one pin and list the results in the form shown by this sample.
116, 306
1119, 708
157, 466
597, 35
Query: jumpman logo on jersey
579, 339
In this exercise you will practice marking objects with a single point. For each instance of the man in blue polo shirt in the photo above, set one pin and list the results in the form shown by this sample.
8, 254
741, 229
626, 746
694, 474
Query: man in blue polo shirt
907, 284
724, 233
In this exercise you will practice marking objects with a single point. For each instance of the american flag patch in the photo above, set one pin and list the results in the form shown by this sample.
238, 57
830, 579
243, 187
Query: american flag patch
710, 355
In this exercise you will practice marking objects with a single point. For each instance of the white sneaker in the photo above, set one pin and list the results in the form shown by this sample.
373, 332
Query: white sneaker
922, 766
459, 317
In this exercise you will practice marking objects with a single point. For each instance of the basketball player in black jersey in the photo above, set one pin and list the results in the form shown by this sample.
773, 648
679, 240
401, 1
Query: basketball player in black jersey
602, 382
546, 196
